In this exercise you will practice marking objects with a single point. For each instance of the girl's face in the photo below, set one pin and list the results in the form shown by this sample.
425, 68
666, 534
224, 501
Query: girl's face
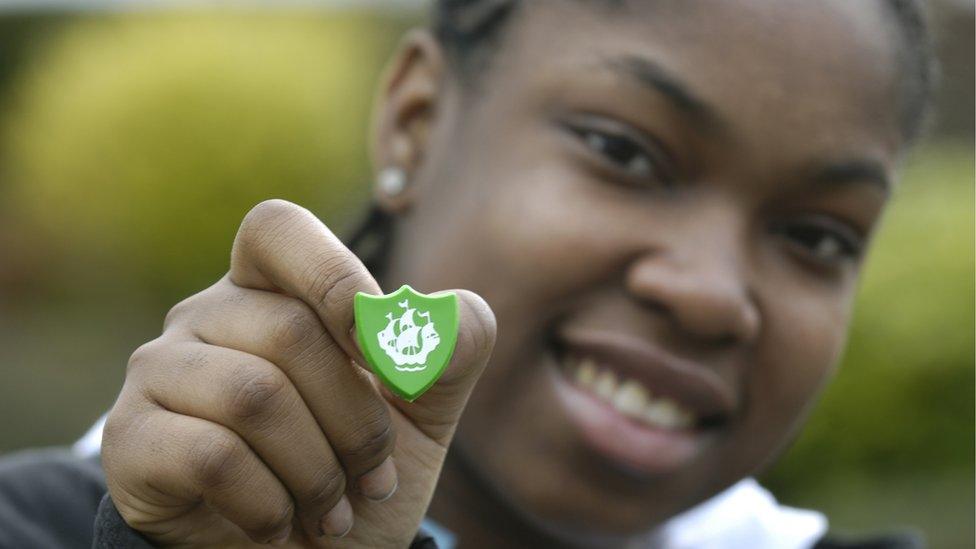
666, 205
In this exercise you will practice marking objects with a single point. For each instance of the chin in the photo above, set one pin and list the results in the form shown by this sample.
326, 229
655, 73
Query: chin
551, 479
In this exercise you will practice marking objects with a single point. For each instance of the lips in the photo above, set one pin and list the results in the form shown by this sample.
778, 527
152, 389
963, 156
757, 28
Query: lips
640, 407
627, 396
690, 386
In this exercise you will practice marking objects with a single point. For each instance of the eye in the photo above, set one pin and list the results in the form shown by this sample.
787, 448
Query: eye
620, 150
623, 152
824, 241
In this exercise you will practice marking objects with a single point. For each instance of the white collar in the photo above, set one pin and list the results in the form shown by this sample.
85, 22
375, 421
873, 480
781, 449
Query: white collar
745, 515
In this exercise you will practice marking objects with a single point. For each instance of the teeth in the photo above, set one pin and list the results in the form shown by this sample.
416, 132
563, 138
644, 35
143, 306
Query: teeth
606, 385
586, 373
629, 397
666, 414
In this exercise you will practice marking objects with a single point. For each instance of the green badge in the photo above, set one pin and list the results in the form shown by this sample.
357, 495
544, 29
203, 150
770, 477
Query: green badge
407, 337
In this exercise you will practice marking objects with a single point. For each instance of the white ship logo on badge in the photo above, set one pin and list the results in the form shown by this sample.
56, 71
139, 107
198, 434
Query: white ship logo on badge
406, 343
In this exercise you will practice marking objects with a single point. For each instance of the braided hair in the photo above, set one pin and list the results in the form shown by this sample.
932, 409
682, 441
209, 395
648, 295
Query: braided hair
469, 31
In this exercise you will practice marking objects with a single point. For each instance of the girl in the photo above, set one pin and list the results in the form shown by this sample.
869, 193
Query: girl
665, 205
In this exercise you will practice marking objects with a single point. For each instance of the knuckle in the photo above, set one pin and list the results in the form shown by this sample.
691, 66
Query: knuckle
141, 357
295, 327
115, 429
216, 459
256, 394
277, 519
179, 311
125, 422
372, 440
333, 281
324, 492
124, 441
131, 511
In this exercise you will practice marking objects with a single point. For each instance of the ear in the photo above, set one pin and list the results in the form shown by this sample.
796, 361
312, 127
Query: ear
404, 113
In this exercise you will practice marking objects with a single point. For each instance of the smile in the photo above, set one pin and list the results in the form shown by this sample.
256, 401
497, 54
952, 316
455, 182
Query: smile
628, 396
638, 407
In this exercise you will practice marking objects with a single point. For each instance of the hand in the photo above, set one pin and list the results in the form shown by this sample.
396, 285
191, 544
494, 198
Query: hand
250, 420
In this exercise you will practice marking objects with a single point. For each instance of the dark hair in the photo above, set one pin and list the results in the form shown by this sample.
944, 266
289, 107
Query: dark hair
469, 31
917, 58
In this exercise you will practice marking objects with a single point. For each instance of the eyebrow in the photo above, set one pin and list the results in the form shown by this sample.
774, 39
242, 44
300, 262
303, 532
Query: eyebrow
652, 75
853, 171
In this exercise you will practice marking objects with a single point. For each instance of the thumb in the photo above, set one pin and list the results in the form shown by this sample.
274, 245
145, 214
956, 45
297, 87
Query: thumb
438, 410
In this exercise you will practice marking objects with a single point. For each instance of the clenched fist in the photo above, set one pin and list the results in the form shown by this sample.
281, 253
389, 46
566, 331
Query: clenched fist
252, 420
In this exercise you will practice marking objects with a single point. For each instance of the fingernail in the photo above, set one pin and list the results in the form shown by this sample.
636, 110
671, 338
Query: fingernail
281, 538
380, 483
337, 522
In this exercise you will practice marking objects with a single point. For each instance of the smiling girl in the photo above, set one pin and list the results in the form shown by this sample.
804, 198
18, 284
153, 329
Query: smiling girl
665, 205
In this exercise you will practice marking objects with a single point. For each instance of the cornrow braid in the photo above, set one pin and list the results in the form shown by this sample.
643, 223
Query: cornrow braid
468, 28
918, 59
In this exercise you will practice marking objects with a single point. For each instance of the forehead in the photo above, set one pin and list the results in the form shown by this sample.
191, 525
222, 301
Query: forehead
826, 69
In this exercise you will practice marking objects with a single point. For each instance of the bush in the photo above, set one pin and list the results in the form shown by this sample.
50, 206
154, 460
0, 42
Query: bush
142, 140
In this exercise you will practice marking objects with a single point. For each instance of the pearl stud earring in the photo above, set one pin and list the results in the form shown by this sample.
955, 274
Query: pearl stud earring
392, 181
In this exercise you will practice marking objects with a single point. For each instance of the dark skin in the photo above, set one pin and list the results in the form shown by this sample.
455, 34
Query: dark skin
667, 200
772, 132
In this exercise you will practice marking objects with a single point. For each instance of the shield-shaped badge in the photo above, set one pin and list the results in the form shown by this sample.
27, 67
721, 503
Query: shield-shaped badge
407, 337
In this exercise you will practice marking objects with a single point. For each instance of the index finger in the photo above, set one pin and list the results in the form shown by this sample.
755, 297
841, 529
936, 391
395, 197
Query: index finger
283, 247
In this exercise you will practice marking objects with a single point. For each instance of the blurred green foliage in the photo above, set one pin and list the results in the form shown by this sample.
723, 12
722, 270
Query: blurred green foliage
137, 143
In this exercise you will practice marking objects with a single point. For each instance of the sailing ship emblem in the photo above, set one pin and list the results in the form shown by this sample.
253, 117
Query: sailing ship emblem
407, 337
407, 343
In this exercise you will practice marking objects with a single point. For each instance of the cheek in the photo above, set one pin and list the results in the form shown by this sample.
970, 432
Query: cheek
556, 236
538, 251
797, 355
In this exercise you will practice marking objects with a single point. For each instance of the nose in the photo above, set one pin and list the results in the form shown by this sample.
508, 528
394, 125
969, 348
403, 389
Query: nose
702, 292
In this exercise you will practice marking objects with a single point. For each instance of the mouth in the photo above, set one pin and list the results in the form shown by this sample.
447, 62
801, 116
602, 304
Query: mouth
643, 409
